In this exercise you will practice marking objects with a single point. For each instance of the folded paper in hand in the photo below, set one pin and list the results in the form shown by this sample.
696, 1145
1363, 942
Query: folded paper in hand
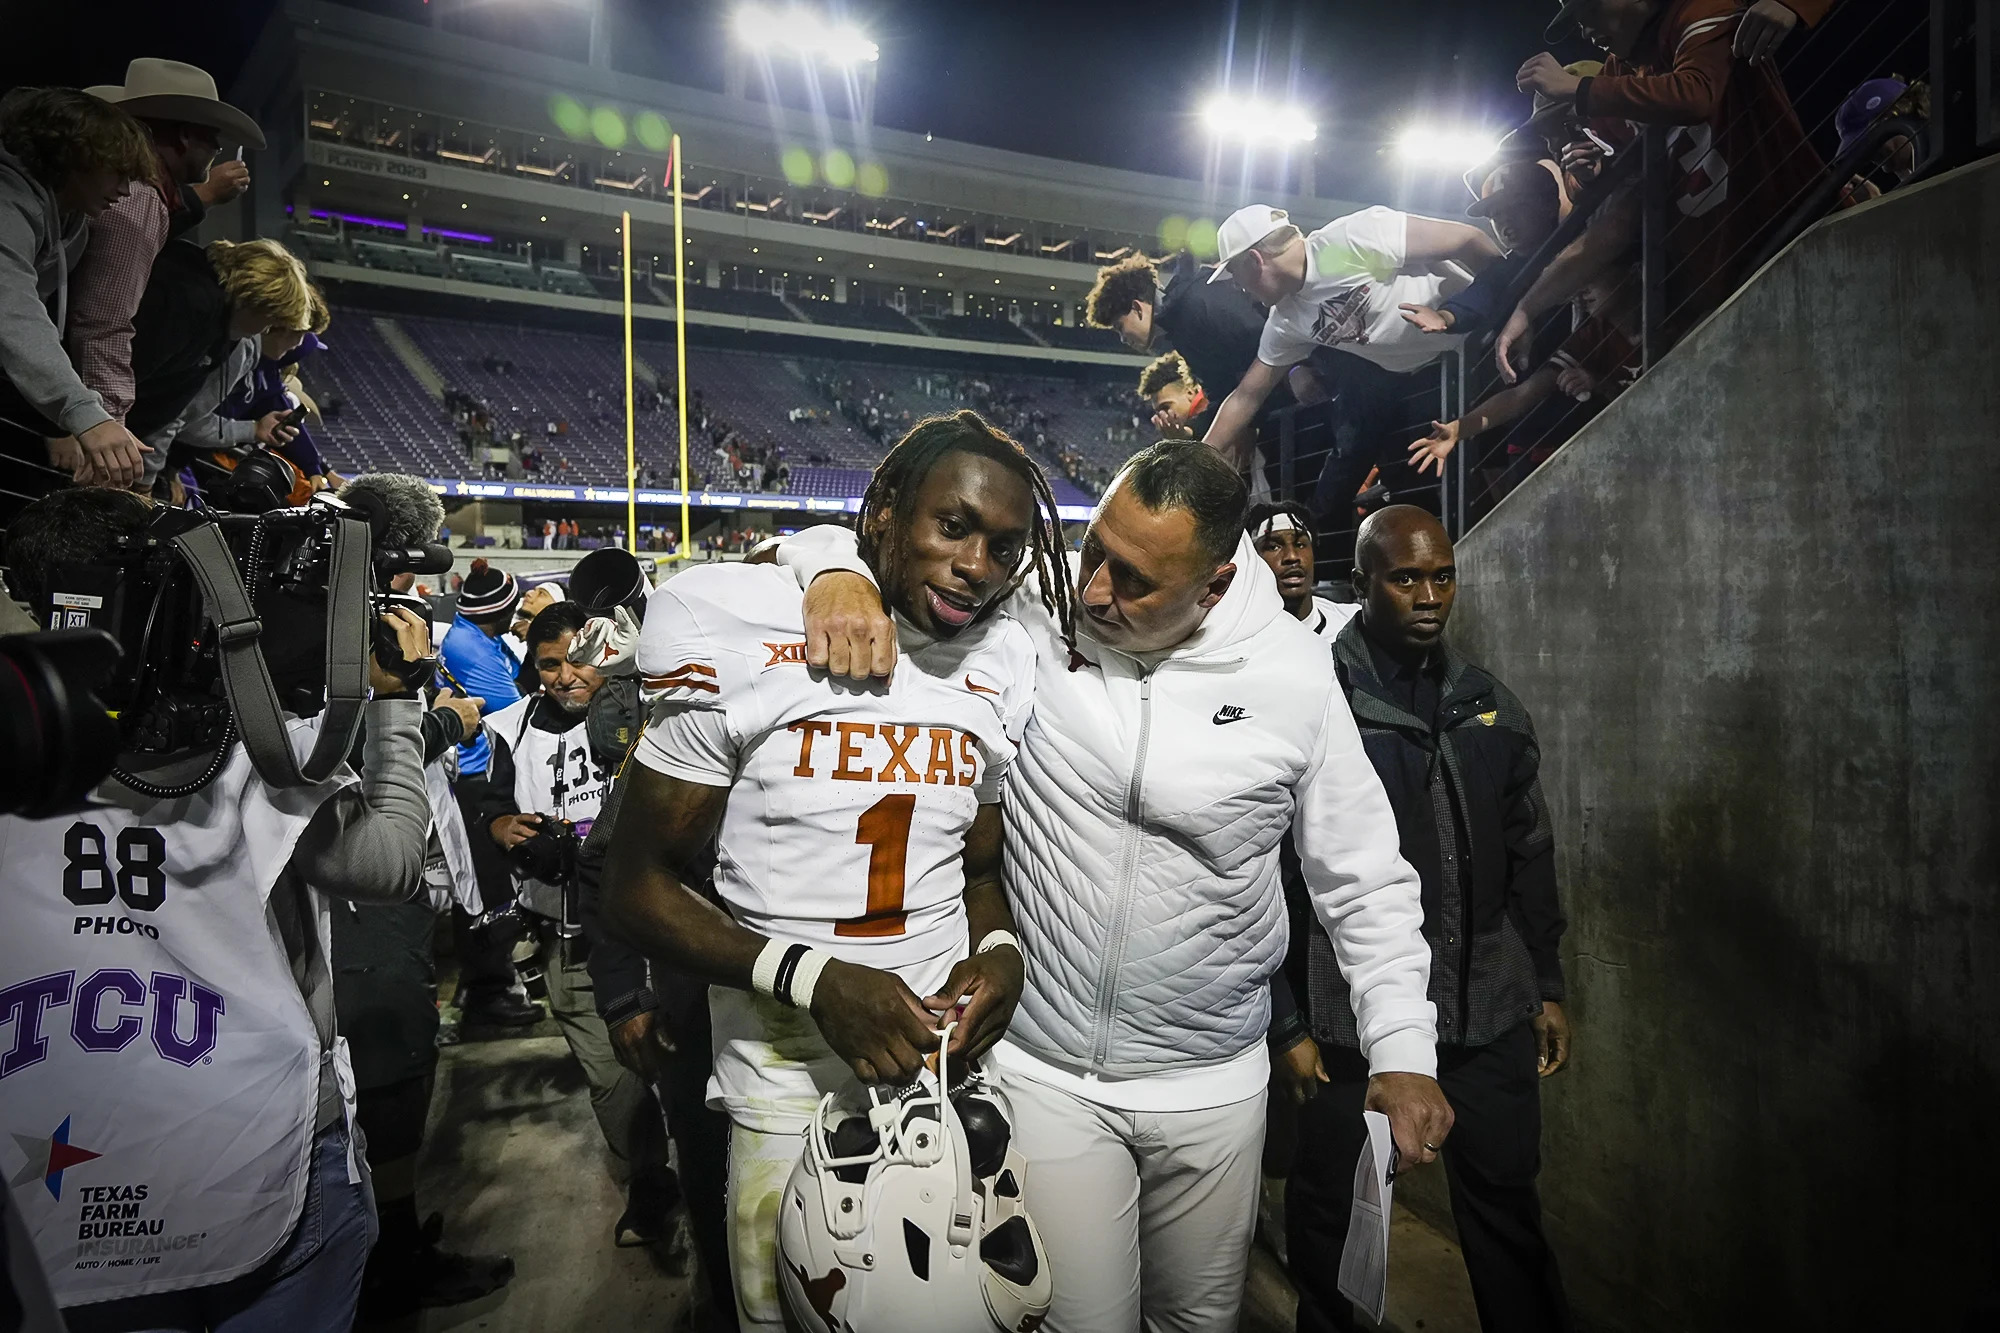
1364, 1262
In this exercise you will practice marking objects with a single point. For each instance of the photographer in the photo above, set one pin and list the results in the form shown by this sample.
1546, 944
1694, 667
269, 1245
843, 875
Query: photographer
64, 156
210, 1172
385, 994
543, 792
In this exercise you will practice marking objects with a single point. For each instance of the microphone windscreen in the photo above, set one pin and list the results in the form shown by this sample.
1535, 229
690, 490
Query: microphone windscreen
401, 510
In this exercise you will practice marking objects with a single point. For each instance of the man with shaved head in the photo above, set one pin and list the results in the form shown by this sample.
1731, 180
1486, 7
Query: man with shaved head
1457, 755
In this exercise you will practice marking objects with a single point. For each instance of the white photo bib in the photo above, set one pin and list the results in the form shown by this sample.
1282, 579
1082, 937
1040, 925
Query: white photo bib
158, 1066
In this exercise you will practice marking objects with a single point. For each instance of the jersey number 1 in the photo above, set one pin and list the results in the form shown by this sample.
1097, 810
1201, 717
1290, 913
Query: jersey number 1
884, 828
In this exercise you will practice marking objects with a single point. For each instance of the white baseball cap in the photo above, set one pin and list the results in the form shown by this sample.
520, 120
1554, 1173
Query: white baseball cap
1243, 229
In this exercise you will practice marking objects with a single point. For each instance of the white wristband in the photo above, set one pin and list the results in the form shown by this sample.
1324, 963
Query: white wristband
996, 939
764, 972
807, 977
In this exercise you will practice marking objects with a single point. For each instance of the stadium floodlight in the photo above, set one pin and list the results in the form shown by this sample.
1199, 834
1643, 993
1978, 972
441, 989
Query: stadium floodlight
804, 33
1252, 121
1445, 149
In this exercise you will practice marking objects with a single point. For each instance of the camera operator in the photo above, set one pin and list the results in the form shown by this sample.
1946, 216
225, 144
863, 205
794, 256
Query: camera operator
475, 653
65, 156
543, 792
210, 1173
385, 995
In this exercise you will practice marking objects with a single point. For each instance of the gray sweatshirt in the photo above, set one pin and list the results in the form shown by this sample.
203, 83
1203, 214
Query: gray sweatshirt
367, 843
38, 248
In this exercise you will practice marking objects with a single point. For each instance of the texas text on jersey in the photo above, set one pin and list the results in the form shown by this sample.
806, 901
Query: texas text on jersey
849, 806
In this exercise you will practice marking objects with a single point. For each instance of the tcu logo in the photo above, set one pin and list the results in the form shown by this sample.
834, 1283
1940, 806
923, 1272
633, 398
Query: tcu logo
107, 1013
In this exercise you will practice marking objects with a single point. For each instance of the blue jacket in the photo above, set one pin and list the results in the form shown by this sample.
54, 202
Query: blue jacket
484, 667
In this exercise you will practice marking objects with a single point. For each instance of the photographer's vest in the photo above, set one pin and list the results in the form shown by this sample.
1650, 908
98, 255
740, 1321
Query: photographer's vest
554, 774
158, 1065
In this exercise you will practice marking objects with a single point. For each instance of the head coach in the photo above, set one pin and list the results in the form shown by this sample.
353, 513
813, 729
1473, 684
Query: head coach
1184, 728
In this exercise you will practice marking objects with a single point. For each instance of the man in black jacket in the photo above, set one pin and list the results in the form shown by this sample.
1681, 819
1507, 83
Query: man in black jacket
1457, 756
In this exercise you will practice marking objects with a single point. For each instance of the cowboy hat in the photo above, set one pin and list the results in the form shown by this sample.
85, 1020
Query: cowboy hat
170, 90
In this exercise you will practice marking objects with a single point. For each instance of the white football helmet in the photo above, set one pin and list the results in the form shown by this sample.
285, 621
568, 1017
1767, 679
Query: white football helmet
907, 1217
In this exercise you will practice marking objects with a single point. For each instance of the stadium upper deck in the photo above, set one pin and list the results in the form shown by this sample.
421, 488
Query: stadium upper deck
387, 129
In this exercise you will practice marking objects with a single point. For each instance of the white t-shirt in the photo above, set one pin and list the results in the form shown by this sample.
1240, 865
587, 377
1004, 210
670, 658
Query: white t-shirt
1327, 619
1351, 298
848, 808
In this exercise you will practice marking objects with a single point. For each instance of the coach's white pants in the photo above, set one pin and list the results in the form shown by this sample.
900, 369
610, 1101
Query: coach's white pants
1146, 1216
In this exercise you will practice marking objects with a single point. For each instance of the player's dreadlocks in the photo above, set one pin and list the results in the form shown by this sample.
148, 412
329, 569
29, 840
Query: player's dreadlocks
896, 482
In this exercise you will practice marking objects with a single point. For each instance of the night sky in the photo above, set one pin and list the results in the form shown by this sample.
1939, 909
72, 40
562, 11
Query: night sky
1103, 81
1108, 82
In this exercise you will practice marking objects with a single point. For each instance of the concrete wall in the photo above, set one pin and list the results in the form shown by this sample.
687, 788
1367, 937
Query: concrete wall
1753, 609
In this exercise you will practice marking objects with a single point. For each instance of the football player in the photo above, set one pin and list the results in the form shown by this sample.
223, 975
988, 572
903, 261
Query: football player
857, 826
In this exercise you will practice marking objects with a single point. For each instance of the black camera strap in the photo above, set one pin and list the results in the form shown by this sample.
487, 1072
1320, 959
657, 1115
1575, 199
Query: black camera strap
253, 699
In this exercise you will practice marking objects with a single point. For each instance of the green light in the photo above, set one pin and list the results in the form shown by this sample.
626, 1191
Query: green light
838, 168
797, 164
569, 115
1201, 239
1174, 233
653, 131
872, 180
608, 126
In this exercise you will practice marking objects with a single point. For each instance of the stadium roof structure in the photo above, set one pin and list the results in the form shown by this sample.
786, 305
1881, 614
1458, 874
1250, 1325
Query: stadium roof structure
380, 125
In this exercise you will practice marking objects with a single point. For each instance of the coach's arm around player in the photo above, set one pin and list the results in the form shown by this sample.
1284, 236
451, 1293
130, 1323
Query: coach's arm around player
869, 1017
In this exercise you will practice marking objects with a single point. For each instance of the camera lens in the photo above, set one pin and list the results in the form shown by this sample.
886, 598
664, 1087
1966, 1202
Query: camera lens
58, 739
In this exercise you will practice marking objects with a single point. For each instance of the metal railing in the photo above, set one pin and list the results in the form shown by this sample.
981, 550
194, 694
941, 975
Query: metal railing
1673, 292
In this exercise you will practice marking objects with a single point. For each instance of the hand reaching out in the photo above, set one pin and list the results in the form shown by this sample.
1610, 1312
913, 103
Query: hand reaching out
1543, 73
1577, 383
1513, 347
1431, 451
1426, 319
1762, 30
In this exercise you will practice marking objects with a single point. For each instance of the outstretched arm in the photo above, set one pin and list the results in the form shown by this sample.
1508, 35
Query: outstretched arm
1431, 242
1230, 434
1502, 408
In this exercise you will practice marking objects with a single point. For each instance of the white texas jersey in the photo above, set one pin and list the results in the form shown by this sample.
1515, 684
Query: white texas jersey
159, 1069
554, 774
849, 804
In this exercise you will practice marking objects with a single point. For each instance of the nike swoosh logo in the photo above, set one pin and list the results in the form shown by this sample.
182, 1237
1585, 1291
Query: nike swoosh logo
978, 689
1224, 716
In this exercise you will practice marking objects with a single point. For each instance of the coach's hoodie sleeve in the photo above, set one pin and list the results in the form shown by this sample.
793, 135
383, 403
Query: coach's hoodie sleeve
368, 842
812, 552
1368, 898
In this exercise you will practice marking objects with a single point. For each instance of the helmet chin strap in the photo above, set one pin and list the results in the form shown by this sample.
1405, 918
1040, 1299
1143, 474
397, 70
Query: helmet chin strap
959, 1233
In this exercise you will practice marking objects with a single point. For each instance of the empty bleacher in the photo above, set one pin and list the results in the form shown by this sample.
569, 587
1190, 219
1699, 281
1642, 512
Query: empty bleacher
387, 419
852, 316
981, 328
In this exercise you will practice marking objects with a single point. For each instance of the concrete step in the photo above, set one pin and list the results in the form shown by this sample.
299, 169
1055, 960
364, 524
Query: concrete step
411, 356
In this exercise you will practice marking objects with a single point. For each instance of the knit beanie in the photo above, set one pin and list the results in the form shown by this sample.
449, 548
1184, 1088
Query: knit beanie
487, 592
